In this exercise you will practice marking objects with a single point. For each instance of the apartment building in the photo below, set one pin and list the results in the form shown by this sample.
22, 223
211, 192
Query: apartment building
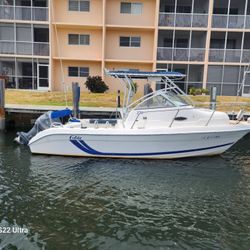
24, 43
208, 40
46, 45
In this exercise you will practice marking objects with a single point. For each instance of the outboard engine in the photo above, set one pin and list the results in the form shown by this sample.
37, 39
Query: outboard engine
43, 122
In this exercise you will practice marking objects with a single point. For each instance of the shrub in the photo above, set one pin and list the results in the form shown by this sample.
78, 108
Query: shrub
205, 91
191, 91
198, 91
95, 84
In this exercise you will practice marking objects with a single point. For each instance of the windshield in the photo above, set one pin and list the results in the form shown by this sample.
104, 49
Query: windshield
164, 99
177, 99
158, 101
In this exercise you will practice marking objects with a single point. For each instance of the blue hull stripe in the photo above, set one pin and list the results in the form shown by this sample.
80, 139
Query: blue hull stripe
87, 149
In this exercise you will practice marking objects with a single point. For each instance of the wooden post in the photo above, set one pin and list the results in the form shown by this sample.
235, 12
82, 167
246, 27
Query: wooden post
118, 99
2, 104
76, 98
213, 98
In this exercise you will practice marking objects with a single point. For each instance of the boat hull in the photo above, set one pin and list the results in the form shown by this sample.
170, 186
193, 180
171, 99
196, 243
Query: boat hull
78, 142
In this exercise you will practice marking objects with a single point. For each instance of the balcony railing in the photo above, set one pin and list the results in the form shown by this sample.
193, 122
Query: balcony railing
183, 19
233, 55
24, 48
7, 47
229, 55
23, 82
23, 13
231, 21
247, 22
41, 49
198, 55
216, 55
246, 56
180, 54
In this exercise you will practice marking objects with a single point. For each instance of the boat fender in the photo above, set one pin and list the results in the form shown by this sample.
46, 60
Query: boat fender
248, 120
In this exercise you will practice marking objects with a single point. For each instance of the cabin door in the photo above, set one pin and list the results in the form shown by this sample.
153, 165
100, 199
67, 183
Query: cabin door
246, 84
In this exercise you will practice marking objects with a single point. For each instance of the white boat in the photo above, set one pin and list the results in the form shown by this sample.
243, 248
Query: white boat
163, 124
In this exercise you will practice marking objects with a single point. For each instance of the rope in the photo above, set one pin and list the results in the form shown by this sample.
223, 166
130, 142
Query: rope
60, 59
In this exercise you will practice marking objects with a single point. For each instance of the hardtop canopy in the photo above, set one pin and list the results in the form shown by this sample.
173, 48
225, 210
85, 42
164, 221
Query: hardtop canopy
144, 74
127, 77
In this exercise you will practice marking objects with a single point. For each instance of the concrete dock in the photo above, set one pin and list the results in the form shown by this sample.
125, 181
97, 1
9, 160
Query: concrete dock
25, 115
38, 109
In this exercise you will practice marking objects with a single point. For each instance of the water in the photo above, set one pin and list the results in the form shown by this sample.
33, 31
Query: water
77, 203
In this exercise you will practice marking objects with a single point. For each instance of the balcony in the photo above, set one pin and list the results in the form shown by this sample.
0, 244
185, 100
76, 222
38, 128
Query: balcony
247, 23
216, 55
23, 13
180, 54
7, 47
231, 21
228, 55
183, 20
246, 56
24, 48
40, 49
233, 55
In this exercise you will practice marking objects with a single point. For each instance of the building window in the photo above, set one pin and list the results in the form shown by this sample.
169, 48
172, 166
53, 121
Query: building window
40, 3
231, 44
168, 42
78, 39
181, 43
84, 71
79, 5
78, 71
183, 9
130, 41
131, 8
73, 71
223, 11
169, 8
220, 11
217, 44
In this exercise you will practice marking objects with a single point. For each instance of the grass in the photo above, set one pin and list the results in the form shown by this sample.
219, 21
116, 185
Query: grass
26, 97
58, 98
224, 103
